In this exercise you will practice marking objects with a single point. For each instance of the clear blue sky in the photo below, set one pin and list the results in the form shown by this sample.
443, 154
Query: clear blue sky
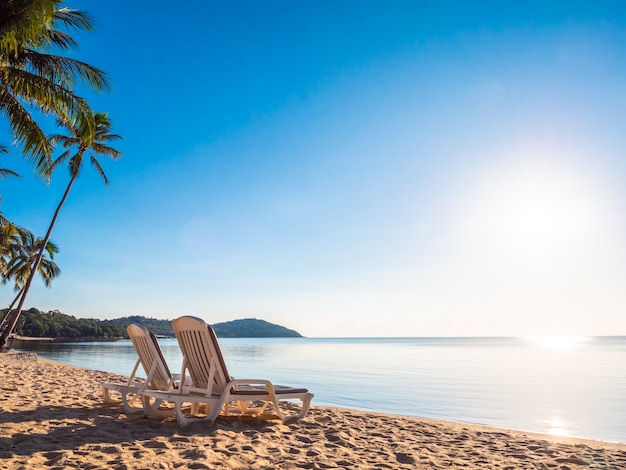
351, 168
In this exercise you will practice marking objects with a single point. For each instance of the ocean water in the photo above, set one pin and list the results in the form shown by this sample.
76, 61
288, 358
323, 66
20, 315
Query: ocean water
564, 386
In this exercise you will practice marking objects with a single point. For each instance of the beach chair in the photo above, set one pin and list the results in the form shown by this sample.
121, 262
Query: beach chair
212, 386
158, 375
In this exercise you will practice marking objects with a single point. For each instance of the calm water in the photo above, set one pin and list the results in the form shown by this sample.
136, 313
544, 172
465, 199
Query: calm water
567, 386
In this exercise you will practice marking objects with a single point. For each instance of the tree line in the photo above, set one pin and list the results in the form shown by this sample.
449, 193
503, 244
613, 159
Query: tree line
54, 324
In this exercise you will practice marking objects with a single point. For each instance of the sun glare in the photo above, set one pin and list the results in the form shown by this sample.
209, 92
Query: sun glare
542, 210
534, 211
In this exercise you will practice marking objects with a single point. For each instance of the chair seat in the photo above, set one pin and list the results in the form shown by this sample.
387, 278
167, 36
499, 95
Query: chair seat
259, 389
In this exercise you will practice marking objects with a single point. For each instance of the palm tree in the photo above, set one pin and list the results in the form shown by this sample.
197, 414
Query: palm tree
32, 78
19, 262
19, 266
10, 241
18, 248
88, 139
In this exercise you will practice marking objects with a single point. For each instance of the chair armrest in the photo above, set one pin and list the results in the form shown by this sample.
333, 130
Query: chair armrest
233, 383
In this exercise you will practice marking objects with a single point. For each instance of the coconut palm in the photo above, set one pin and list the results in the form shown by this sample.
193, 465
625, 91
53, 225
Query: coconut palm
24, 250
18, 248
19, 265
32, 78
10, 242
86, 139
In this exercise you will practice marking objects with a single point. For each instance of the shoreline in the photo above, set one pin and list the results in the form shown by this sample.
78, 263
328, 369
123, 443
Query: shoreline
54, 415
29, 338
62, 339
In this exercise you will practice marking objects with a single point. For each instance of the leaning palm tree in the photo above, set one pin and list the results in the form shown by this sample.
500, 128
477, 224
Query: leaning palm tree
32, 78
86, 139
20, 262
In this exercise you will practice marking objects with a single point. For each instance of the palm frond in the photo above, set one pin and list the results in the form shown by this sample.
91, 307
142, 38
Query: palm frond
107, 151
36, 24
99, 170
61, 40
25, 130
52, 248
57, 161
74, 18
65, 141
48, 270
5, 173
23, 21
63, 70
45, 94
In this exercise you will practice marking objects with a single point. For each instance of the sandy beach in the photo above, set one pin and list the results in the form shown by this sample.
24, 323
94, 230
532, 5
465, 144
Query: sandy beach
53, 416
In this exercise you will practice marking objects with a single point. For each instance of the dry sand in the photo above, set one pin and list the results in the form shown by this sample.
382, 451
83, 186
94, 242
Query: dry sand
52, 416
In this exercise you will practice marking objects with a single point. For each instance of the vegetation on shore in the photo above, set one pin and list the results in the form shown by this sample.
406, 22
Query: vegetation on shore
54, 324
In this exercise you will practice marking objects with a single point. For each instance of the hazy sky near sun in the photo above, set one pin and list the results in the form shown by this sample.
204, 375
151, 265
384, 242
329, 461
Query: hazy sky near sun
350, 168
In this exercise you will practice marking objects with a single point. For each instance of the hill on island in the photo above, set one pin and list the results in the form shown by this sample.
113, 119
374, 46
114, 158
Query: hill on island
253, 328
54, 324
244, 328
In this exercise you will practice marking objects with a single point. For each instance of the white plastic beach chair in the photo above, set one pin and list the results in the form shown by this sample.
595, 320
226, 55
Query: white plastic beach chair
212, 385
158, 375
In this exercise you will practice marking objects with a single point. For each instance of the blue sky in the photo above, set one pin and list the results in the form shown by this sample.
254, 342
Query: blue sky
350, 168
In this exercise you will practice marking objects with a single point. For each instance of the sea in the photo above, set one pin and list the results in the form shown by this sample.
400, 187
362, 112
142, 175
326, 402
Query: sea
569, 386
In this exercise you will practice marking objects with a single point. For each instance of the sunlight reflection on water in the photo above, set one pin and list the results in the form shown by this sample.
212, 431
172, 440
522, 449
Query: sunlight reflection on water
556, 427
559, 343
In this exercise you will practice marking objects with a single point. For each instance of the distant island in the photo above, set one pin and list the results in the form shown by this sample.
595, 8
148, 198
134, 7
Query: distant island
55, 325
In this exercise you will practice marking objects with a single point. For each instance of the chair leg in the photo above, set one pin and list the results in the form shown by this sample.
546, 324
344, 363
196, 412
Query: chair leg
108, 399
128, 408
151, 408
306, 404
180, 416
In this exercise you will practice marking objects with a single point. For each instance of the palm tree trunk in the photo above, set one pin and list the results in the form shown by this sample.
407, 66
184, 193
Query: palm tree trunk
6, 320
4, 337
10, 309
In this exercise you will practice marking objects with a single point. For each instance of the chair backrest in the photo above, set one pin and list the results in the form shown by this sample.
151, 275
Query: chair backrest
202, 356
150, 356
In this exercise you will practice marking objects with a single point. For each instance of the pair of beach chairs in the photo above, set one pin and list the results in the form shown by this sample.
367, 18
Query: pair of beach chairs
204, 389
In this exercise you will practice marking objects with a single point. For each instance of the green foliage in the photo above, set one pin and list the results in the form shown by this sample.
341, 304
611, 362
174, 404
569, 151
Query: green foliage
34, 77
158, 327
253, 328
246, 328
18, 249
54, 324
